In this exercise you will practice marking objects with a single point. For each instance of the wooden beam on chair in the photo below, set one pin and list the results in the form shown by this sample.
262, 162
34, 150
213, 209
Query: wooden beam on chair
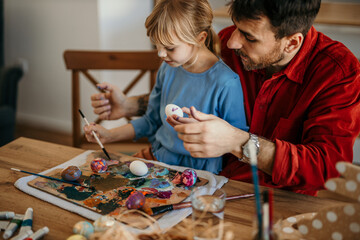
75, 106
90, 77
134, 82
108, 60
339, 13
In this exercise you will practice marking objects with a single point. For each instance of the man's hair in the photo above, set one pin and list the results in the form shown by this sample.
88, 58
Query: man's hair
286, 16
184, 19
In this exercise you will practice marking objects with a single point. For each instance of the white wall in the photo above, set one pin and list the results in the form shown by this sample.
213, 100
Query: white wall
122, 27
39, 31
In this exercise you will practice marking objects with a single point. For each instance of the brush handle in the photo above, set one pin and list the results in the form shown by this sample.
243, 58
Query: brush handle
51, 178
240, 196
188, 204
95, 136
165, 208
181, 205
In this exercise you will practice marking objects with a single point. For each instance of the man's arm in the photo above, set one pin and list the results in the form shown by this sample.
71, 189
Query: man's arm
212, 137
114, 104
142, 103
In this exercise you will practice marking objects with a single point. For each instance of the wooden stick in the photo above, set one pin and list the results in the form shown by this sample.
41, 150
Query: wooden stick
157, 210
52, 178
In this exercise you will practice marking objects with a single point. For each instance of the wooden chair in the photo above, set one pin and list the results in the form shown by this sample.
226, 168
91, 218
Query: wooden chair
83, 61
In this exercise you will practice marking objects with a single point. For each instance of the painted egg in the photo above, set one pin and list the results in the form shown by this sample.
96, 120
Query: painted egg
135, 201
76, 237
71, 173
172, 109
103, 223
138, 168
83, 228
98, 165
188, 177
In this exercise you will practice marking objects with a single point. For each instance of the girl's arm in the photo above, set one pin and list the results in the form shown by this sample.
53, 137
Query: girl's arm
124, 132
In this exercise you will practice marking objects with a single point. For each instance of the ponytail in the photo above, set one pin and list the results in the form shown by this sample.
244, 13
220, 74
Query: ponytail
212, 42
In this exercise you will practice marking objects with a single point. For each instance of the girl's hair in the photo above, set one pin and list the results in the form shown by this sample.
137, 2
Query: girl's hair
185, 19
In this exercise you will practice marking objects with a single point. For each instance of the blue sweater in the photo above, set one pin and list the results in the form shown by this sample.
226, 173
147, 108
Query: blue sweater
216, 91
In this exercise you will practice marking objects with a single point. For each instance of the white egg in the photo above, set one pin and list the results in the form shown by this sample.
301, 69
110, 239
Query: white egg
138, 168
172, 109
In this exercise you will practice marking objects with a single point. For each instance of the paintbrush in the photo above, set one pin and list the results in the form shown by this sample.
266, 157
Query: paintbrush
95, 136
52, 178
255, 177
157, 210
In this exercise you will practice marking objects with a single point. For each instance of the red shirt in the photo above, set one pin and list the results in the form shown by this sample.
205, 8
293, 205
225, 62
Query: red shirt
310, 110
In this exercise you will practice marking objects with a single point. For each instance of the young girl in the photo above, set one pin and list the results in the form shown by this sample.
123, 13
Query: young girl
191, 75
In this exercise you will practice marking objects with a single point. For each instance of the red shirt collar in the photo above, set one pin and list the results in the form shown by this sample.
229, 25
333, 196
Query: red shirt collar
295, 70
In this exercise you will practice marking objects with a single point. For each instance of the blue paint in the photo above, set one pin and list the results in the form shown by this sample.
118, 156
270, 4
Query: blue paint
159, 183
162, 172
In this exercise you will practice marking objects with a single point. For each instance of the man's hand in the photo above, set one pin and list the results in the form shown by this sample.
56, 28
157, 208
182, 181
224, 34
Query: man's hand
209, 136
110, 105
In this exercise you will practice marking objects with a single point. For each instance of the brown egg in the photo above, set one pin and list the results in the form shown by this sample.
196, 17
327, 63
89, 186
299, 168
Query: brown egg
71, 173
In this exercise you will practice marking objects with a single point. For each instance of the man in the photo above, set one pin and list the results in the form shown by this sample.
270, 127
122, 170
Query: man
302, 98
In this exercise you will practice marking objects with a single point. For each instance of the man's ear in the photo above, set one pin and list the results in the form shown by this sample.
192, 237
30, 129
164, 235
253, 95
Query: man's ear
294, 42
202, 37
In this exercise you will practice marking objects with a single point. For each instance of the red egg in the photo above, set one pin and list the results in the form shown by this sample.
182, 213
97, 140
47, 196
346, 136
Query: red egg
189, 177
135, 201
71, 173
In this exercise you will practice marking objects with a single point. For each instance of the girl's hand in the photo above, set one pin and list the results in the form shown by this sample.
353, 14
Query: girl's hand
176, 120
103, 134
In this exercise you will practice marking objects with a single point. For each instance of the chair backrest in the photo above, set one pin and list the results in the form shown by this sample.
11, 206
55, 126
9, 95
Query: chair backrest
82, 61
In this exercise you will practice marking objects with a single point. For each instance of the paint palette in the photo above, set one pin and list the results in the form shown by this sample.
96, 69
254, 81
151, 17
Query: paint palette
116, 184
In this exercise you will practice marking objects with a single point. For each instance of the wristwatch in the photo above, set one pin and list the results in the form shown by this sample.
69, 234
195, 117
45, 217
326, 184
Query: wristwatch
245, 147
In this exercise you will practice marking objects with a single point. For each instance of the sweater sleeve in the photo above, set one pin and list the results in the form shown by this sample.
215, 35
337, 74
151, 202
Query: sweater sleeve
231, 98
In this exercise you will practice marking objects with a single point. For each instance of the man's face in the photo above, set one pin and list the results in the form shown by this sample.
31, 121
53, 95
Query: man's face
255, 43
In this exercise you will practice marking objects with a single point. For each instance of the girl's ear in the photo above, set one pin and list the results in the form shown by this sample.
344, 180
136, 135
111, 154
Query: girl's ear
294, 42
202, 37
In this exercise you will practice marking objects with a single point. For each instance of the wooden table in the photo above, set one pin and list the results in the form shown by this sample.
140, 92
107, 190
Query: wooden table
37, 156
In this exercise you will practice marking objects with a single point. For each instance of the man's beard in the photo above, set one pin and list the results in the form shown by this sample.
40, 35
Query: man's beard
266, 61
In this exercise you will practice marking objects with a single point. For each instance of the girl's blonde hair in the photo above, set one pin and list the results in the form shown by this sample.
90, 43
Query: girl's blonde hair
185, 19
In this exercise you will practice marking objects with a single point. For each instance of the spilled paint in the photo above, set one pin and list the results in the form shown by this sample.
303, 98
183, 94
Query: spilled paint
73, 193
158, 183
108, 183
108, 207
162, 172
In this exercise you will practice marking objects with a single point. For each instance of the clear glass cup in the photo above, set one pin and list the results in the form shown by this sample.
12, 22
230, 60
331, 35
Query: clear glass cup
208, 213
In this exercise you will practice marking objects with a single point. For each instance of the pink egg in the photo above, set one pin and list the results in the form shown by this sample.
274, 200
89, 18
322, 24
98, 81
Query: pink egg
98, 165
189, 177
135, 201
71, 173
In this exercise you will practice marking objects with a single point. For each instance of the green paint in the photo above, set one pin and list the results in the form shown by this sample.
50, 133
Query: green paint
73, 193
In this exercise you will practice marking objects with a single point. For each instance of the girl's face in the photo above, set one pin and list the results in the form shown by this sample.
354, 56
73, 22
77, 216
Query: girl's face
178, 54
